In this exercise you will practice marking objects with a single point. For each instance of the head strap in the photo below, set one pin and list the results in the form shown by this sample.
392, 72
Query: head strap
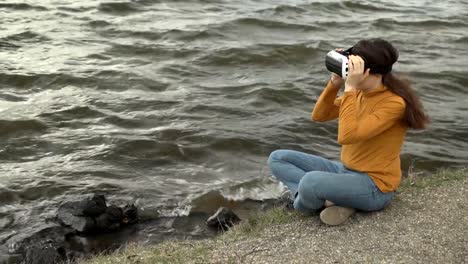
374, 68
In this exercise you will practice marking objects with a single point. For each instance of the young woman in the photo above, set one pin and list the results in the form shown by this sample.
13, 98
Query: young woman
374, 113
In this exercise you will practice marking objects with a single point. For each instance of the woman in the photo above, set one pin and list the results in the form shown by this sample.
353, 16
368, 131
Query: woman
374, 113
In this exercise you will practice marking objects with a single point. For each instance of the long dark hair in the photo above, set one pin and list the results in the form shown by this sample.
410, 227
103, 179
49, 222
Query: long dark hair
382, 54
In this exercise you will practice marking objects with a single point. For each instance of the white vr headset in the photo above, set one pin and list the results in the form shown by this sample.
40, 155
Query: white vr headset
337, 63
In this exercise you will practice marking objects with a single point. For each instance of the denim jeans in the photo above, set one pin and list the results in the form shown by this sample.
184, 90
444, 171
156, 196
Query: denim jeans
312, 180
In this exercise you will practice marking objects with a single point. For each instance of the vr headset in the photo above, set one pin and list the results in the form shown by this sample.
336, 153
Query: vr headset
337, 62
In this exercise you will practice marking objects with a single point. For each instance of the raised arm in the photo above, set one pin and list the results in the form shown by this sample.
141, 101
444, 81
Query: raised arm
326, 108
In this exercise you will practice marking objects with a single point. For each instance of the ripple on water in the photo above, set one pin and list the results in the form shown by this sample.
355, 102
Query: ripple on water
21, 127
120, 7
22, 6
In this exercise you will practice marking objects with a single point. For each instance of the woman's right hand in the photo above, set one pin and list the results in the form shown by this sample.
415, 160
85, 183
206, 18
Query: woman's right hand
336, 80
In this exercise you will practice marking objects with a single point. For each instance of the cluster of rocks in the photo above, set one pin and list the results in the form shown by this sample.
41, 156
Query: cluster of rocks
88, 216
92, 215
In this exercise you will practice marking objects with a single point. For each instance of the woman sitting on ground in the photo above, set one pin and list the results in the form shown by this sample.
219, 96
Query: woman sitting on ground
374, 113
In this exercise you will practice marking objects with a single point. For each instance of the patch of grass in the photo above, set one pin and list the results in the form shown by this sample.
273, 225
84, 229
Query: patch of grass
414, 180
262, 220
168, 252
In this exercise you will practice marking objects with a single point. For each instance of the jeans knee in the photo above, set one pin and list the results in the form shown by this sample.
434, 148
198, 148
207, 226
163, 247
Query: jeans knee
308, 186
276, 155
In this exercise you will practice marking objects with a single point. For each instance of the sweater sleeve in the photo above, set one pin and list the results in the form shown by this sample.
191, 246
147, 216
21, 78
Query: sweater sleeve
352, 130
326, 107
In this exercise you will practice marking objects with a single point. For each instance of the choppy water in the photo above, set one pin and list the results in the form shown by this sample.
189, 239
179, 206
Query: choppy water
162, 101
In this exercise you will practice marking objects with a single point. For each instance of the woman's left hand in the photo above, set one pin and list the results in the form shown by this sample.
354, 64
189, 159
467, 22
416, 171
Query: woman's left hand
356, 73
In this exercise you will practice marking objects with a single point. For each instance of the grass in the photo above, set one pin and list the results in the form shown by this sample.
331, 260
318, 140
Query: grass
189, 251
169, 252
415, 181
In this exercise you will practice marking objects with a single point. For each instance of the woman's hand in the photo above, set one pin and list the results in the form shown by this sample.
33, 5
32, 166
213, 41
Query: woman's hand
336, 80
356, 73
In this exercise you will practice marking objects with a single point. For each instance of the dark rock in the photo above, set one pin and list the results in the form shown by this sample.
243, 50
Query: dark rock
44, 246
114, 213
223, 219
66, 217
45, 252
94, 206
130, 213
90, 206
80, 215
110, 220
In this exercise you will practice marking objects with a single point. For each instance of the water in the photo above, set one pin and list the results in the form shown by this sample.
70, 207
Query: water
165, 103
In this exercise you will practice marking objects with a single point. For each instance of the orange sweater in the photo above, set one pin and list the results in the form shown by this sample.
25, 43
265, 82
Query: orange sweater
370, 130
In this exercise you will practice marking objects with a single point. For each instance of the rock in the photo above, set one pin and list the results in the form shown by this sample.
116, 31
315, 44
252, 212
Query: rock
44, 246
82, 224
110, 220
91, 206
67, 216
83, 215
223, 219
80, 215
48, 252
130, 213
94, 206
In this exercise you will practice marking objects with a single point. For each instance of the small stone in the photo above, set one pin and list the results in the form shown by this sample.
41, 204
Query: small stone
130, 213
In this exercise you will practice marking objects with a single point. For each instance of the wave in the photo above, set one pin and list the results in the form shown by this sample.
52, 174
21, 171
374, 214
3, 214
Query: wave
120, 7
359, 6
104, 79
144, 150
218, 110
281, 9
284, 97
19, 127
24, 81
148, 51
72, 113
22, 6
261, 54
172, 34
77, 9
99, 23
267, 24
462, 39
251, 194
26, 37
427, 23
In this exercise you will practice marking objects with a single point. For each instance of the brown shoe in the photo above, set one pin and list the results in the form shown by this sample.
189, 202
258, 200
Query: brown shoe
336, 215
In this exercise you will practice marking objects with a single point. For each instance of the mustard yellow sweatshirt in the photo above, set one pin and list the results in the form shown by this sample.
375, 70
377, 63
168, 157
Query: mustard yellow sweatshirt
370, 130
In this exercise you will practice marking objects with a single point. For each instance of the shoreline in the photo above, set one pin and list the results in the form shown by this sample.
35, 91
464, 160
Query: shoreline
423, 223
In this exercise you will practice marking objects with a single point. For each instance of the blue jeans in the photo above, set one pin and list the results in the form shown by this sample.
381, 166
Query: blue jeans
312, 180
